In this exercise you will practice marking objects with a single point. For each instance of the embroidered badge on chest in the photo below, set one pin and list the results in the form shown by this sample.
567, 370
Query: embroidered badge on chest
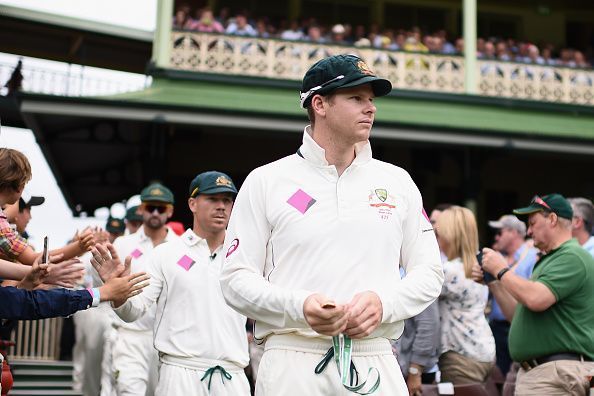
301, 201
383, 202
186, 262
136, 253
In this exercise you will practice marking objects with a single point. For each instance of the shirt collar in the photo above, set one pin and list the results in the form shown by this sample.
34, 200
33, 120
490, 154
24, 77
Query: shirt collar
315, 154
143, 237
190, 238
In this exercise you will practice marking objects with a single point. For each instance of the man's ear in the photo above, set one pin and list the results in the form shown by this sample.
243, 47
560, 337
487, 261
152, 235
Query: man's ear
553, 218
317, 104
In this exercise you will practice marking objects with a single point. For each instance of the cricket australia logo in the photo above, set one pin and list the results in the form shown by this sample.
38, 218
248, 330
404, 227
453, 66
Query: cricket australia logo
383, 202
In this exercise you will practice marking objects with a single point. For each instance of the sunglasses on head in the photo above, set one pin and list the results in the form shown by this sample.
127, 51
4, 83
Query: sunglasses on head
539, 201
159, 208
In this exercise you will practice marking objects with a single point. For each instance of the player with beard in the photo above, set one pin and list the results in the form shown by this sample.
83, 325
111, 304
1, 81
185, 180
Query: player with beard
135, 360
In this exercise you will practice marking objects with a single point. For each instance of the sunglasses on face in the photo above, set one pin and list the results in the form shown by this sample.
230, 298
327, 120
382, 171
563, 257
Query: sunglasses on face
159, 208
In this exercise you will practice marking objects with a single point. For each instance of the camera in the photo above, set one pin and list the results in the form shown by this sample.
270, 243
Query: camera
487, 277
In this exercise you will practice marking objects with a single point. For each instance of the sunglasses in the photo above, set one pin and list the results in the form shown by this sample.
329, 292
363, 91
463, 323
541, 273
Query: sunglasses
159, 208
539, 201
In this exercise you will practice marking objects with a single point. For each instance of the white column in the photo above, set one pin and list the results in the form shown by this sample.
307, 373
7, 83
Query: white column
470, 69
162, 39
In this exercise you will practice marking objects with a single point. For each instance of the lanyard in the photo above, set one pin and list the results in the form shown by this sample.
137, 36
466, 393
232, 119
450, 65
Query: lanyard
342, 349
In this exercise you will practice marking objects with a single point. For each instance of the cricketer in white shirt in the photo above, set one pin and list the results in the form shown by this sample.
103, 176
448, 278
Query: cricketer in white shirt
298, 228
135, 360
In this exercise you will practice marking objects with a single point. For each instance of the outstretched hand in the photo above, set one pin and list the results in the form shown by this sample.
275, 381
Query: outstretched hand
107, 262
55, 273
119, 289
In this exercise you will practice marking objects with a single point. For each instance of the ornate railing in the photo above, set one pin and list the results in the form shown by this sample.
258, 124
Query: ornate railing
37, 339
288, 60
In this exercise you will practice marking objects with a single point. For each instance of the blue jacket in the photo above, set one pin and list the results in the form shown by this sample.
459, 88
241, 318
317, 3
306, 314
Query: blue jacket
39, 304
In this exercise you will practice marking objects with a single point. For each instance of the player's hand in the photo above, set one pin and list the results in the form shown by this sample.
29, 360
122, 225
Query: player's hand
365, 314
107, 262
330, 321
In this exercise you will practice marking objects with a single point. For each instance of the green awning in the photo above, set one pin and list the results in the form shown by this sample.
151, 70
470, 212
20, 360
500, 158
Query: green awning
430, 111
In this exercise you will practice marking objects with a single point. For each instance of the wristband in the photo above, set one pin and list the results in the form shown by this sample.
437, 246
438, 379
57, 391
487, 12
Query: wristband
96, 296
502, 272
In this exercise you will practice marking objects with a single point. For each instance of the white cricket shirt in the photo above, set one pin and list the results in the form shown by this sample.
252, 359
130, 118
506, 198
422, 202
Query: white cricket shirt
139, 246
192, 319
297, 228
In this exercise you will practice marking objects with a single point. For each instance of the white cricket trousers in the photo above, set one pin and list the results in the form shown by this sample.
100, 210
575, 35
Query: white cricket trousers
135, 363
287, 367
180, 376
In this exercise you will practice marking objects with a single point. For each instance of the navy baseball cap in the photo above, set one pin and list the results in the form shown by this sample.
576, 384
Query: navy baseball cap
340, 71
212, 182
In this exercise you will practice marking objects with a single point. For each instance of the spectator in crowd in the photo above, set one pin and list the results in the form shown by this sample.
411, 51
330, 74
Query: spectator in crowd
301, 302
15, 172
241, 27
488, 51
415, 40
551, 333
520, 257
135, 360
534, 55
293, 33
207, 23
19, 213
262, 30
582, 222
502, 52
182, 19
467, 344
337, 34
201, 336
418, 347
314, 35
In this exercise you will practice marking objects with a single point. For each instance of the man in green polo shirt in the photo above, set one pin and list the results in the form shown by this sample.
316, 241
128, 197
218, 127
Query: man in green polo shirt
552, 331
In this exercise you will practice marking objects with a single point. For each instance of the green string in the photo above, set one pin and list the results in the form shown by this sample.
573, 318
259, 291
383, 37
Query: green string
341, 351
211, 371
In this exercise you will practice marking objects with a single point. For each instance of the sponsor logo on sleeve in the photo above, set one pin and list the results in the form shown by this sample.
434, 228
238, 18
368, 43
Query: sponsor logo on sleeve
233, 247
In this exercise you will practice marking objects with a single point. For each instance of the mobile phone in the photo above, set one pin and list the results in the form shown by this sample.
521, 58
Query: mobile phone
487, 277
45, 256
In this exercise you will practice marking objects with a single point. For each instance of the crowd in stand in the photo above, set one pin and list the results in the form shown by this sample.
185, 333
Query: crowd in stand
392, 38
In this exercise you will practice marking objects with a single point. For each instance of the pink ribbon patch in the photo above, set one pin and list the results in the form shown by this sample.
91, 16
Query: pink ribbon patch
185, 262
136, 253
301, 201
